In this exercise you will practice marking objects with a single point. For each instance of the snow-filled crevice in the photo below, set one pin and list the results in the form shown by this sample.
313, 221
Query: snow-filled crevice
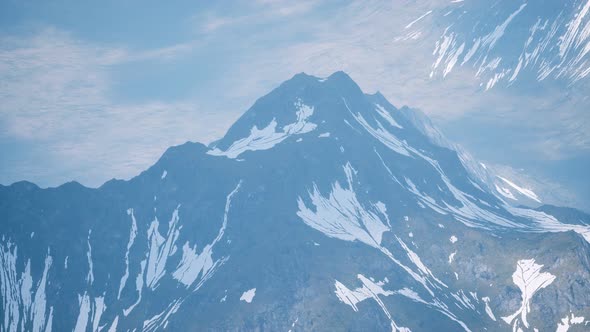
194, 265
340, 215
368, 290
269, 136
472, 214
529, 279
132, 235
23, 300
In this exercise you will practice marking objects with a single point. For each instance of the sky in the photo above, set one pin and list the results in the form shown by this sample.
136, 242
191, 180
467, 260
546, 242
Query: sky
91, 91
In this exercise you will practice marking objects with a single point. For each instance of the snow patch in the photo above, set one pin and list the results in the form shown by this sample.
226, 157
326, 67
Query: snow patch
160, 248
527, 192
505, 192
268, 137
418, 19
20, 300
529, 279
193, 265
380, 133
486, 300
342, 216
383, 112
368, 290
452, 257
248, 295
132, 235
567, 321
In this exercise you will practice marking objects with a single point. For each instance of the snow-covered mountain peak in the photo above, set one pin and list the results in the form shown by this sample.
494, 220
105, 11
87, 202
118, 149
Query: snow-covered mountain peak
322, 208
507, 42
307, 107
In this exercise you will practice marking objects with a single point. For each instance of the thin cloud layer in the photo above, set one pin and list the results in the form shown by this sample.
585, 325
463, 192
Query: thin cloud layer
74, 100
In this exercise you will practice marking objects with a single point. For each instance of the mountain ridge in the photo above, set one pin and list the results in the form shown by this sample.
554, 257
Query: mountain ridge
280, 226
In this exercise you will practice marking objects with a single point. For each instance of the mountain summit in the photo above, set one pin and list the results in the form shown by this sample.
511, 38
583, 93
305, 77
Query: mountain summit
322, 208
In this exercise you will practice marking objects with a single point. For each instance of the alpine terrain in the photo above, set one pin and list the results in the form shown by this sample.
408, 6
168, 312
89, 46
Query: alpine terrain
321, 209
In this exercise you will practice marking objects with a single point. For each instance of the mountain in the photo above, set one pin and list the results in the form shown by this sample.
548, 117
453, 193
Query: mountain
478, 171
322, 208
507, 41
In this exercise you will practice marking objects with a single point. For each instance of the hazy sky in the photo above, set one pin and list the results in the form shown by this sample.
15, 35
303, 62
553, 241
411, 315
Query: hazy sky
95, 90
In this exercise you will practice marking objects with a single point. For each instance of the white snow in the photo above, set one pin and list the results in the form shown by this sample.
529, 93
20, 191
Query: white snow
138, 287
527, 192
567, 321
91, 310
469, 211
463, 300
385, 114
445, 48
410, 294
448, 49
99, 308
542, 222
505, 192
248, 295
452, 257
341, 215
160, 248
113, 327
453, 239
369, 289
90, 276
380, 133
418, 19
383, 136
160, 321
83, 314
132, 235
164, 174
453, 57
323, 135
194, 265
353, 297
491, 39
266, 138
424, 271
529, 279
486, 300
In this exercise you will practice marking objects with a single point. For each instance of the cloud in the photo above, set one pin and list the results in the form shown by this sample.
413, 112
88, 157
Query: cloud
57, 99
370, 41
56, 89
259, 11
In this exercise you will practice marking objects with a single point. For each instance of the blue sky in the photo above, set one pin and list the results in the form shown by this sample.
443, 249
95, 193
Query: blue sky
92, 91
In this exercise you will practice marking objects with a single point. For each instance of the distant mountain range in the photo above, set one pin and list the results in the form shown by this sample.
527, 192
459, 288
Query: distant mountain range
321, 209
511, 40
